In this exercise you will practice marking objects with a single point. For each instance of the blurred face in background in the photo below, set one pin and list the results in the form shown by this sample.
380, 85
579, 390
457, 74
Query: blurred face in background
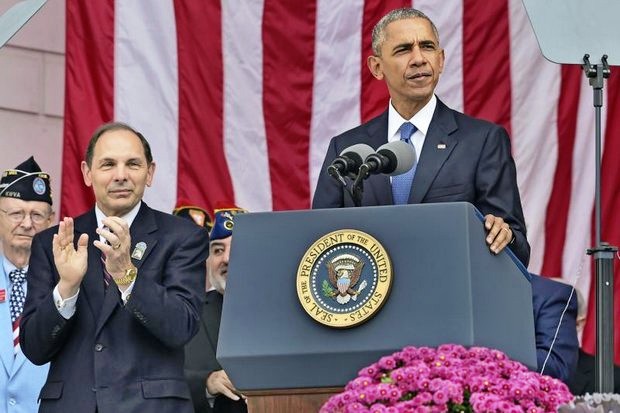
217, 263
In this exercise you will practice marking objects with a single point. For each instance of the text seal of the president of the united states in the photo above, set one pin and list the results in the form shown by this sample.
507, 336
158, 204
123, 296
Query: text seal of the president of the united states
344, 278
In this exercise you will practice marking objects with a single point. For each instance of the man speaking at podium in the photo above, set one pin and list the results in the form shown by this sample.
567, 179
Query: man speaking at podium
459, 158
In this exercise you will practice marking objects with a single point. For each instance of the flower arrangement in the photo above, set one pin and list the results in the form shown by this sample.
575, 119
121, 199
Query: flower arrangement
593, 403
449, 378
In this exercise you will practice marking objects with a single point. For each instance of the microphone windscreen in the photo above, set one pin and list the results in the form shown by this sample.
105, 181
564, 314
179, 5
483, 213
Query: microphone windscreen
357, 153
401, 155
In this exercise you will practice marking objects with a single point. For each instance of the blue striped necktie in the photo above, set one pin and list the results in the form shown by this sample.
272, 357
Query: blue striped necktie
401, 184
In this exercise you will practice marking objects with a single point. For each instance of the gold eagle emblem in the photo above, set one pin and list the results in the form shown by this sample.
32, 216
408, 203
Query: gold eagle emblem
344, 272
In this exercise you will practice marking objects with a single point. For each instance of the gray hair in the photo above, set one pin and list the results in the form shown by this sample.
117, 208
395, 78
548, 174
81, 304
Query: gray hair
378, 32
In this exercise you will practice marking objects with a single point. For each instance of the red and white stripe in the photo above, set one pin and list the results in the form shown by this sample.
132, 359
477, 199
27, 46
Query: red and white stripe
16, 347
239, 100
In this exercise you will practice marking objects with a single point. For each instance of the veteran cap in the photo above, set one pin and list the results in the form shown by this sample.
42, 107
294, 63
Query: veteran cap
195, 213
223, 222
26, 182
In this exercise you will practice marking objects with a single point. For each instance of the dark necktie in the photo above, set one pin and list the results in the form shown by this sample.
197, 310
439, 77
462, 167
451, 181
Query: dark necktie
401, 184
107, 278
16, 302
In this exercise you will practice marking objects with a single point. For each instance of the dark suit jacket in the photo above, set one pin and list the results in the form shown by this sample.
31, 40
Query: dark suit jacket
549, 299
114, 357
475, 166
200, 359
584, 379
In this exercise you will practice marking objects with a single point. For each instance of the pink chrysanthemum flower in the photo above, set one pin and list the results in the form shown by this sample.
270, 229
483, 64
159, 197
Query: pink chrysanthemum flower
450, 378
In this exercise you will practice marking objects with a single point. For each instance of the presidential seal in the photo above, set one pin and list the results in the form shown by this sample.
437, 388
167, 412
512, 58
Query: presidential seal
344, 278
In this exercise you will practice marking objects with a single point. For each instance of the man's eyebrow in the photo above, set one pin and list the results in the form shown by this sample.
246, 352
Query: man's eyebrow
409, 45
405, 45
427, 42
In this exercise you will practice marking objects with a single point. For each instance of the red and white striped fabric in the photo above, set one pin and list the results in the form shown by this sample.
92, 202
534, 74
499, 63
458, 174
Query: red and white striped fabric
240, 98
16, 346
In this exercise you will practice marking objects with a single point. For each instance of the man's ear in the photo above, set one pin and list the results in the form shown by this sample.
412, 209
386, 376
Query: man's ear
375, 66
150, 174
86, 173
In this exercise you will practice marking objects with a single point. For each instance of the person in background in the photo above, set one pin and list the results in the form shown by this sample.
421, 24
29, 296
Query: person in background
459, 158
553, 302
195, 213
212, 389
25, 209
115, 294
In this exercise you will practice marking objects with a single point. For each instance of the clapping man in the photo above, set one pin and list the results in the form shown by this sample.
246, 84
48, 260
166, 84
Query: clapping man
115, 294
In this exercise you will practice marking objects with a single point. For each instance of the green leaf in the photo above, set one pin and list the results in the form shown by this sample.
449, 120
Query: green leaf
328, 291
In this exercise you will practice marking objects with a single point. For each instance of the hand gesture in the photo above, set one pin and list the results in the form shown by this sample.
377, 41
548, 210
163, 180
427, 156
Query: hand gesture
116, 250
219, 383
71, 263
499, 234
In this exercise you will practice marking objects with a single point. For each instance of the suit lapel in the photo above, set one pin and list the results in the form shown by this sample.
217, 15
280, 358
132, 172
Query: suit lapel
438, 145
378, 185
143, 232
6, 346
20, 358
212, 316
143, 229
92, 285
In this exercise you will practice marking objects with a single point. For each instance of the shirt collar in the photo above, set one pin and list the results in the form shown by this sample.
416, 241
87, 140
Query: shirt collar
8, 266
421, 120
128, 217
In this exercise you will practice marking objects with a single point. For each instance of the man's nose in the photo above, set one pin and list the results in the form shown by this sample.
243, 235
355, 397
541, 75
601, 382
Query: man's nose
417, 58
27, 221
120, 173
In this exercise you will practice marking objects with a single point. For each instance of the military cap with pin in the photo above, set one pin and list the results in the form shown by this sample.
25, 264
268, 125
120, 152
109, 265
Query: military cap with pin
223, 222
26, 182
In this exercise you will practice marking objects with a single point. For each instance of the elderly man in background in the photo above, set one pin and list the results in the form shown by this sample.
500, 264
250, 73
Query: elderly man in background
212, 390
25, 209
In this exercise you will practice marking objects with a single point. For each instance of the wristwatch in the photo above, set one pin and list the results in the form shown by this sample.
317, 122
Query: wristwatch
128, 278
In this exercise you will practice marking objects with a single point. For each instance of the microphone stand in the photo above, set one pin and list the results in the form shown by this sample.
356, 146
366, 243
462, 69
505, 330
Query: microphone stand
603, 253
355, 190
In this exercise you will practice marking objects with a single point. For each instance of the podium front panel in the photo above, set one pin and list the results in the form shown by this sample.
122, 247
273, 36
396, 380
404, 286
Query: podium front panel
447, 288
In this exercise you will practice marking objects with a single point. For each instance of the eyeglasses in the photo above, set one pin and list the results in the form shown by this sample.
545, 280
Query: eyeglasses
18, 216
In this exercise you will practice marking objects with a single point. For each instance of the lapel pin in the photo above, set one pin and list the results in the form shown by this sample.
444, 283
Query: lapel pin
138, 251
441, 146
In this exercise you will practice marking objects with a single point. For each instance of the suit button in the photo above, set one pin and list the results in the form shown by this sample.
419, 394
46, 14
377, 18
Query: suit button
98, 347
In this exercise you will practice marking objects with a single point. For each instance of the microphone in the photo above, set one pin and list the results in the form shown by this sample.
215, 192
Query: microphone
393, 158
349, 160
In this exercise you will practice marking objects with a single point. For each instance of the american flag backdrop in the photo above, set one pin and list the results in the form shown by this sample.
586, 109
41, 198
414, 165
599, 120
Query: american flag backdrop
239, 99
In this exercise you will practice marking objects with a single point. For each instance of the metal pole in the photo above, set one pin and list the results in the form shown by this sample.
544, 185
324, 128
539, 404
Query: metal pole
603, 253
